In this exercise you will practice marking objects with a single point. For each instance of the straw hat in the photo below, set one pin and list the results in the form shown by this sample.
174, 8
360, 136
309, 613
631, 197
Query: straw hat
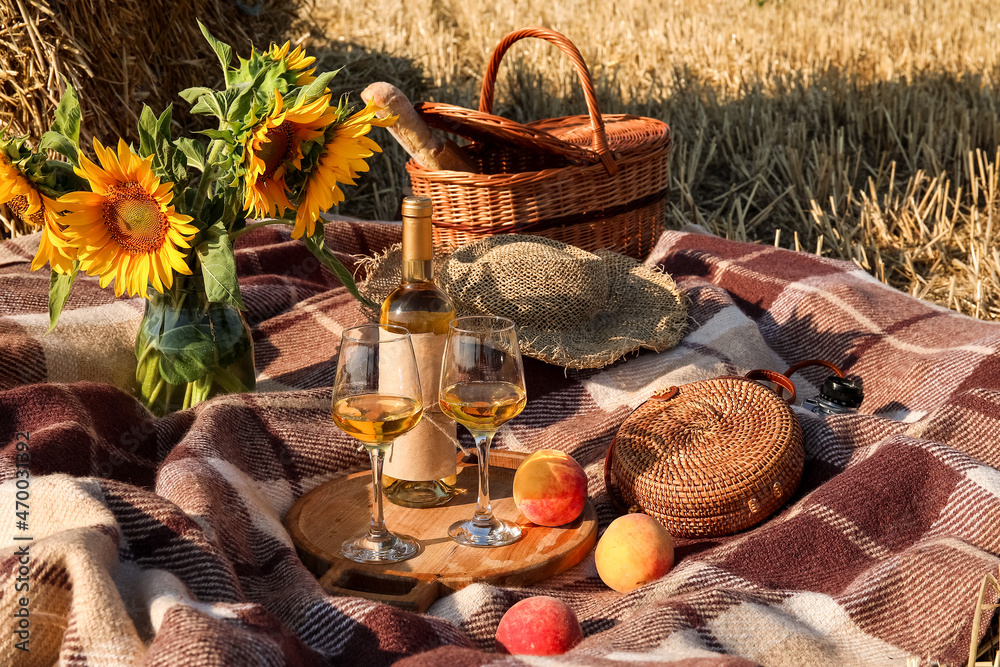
573, 308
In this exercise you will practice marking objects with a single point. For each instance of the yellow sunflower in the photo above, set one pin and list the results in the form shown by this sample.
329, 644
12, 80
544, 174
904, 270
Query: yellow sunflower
19, 194
35, 209
54, 246
274, 146
126, 229
295, 61
342, 158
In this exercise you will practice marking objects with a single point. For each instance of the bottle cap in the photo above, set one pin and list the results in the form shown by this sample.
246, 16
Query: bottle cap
847, 392
416, 207
418, 244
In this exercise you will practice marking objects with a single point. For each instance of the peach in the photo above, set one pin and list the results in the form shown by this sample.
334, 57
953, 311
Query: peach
634, 550
539, 625
550, 488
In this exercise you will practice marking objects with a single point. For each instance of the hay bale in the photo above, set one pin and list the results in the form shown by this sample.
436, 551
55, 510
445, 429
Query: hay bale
119, 55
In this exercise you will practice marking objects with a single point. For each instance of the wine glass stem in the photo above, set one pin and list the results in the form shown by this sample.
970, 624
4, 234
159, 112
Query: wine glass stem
377, 529
484, 511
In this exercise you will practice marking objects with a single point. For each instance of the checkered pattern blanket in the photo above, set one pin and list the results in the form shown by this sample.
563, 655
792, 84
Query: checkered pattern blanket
128, 539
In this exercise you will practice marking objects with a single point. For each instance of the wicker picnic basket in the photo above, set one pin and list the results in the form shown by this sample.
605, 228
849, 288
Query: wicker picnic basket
709, 458
593, 181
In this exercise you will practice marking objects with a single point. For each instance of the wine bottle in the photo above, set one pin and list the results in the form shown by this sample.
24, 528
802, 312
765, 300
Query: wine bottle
420, 468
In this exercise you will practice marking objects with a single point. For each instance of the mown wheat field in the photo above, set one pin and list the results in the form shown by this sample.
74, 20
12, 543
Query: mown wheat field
866, 131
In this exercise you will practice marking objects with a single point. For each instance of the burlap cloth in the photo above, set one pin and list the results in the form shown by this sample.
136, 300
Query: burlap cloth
573, 308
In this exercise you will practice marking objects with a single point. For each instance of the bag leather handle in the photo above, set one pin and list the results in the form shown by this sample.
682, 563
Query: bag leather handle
777, 379
795, 368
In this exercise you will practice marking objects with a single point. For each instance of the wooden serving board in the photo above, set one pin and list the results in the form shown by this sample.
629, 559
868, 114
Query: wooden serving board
323, 518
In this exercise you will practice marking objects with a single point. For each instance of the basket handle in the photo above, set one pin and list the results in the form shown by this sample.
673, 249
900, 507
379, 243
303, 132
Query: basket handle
600, 140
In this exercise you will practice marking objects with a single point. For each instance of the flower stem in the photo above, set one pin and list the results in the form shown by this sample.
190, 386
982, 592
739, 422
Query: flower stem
275, 221
187, 396
168, 394
206, 386
156, 391
228, 381
208, 176
145, 352
149, 377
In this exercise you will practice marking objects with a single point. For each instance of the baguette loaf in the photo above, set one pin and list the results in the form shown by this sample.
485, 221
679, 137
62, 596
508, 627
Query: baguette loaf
412, 133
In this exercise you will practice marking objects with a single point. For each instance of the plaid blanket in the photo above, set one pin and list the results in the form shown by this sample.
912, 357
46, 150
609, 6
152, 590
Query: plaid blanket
128, 539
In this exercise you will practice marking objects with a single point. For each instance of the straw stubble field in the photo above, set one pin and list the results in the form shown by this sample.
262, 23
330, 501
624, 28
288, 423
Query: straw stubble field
865, 131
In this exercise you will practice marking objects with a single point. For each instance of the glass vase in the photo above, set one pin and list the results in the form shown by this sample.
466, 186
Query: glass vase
189, 349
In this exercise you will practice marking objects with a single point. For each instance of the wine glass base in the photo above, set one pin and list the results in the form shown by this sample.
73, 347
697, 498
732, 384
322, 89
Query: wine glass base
390, 549
494, 533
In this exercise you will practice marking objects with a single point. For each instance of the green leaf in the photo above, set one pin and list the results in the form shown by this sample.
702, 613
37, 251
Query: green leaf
67, 120
55, 141
190, 95
168, 163
342, 108
178, 165
228, 96
58, 177
241, 105
60, 285
163, 122
274, 79
225, 135
194, 150
211, 213
147, 130
213, 104
222, 50
218, 266
231, 338
317, 246
186, 353
232, 210
154, 139
318, 87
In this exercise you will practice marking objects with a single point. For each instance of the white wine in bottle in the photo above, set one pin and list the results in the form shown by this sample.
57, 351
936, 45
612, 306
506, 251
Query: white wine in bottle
420, 468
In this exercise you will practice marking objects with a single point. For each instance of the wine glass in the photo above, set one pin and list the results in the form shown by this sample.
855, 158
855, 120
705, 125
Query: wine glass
376, 398
482, 386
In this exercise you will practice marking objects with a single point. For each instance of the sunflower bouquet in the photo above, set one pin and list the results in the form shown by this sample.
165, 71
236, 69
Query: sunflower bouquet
159, 220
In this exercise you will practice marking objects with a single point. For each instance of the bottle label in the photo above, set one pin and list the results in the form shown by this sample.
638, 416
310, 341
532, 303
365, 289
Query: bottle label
429, 450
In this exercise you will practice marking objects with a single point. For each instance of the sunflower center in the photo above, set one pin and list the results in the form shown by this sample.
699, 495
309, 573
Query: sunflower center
134, 218
276, 149
19, 204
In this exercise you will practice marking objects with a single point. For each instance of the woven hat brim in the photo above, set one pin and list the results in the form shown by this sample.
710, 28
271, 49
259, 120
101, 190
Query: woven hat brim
644, 310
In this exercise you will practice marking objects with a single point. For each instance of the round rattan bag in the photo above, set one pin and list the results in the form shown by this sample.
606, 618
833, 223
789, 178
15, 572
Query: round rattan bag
709, 458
